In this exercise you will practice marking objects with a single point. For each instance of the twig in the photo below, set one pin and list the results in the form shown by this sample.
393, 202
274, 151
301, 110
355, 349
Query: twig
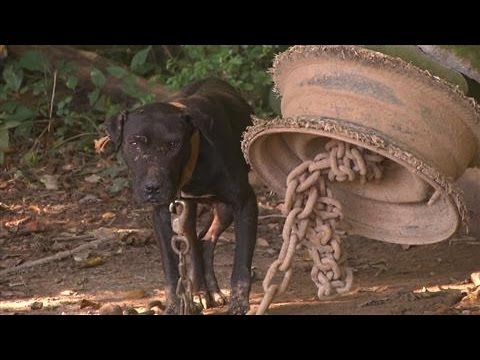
37, 140
52, 99
72, 138
271, 217
58, 256
463, 240
74, 237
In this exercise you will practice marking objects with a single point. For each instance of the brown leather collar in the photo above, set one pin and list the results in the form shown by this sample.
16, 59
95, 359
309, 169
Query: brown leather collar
195, 144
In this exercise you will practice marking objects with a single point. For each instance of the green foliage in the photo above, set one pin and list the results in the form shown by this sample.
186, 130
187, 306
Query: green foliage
33, 61
243, 66
98, 78
117, 71
13, 77
139, 63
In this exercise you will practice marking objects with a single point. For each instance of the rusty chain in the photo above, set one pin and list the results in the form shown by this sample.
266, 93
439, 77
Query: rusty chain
312, 216
181, 247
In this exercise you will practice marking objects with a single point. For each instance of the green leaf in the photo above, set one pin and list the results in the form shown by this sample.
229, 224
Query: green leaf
66, 68
33, 61
117, 71
93, 96
3, 139
31, 158
62, 106
3, 92
98, 78
9, 107
39, 87
9, 124
3, 144
71, 82
112, 110
139, 59
13, 79
21, 114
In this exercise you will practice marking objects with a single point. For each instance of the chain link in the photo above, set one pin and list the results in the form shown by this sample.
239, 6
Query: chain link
181, 247
312, 216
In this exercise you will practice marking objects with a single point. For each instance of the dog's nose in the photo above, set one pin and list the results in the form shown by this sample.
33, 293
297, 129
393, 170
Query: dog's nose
152, 188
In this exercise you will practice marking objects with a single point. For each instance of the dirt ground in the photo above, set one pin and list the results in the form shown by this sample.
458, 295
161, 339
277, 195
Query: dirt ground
62, 206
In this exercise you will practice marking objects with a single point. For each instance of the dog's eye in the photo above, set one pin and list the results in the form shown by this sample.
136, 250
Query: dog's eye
172, 145
135, 141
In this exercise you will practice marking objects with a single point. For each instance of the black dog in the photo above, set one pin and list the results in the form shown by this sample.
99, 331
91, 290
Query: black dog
191, 144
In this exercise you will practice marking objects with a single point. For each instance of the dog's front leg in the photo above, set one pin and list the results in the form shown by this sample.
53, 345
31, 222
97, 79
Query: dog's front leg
196, 271
245, 217
163, 232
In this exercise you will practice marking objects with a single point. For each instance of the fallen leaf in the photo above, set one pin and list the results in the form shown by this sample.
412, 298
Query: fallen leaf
89, 199
88, 303
68, 293
37, 305
81, 256
93, 179
15, 223
156, 303
101, 143
35, 208
148, 312
32, 226
104, 233
96, 261
108, 215
50, 181
475, 278
130, 311
262, 242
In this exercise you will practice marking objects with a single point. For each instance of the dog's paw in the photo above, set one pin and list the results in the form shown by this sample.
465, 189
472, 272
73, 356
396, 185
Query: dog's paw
217, 298
238, 307
210, 299
201, 301
172, 307
170, 311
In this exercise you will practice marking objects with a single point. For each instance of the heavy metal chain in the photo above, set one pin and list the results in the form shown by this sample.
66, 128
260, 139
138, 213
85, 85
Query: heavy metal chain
181, 247
312, 216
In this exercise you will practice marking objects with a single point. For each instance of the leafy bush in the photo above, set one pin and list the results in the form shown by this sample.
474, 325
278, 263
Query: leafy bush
243, 66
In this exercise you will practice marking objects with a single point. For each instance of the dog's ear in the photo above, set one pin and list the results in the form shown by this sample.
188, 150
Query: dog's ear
200, 121
114, 128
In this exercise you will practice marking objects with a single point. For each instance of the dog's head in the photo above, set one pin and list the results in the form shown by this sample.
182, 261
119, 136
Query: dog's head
158, 142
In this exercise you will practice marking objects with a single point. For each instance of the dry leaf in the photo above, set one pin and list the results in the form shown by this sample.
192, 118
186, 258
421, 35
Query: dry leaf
108, 215
88, 303
32, 226
101, 143
67, 293
93, 262
93, 179
50, 181
37, 305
